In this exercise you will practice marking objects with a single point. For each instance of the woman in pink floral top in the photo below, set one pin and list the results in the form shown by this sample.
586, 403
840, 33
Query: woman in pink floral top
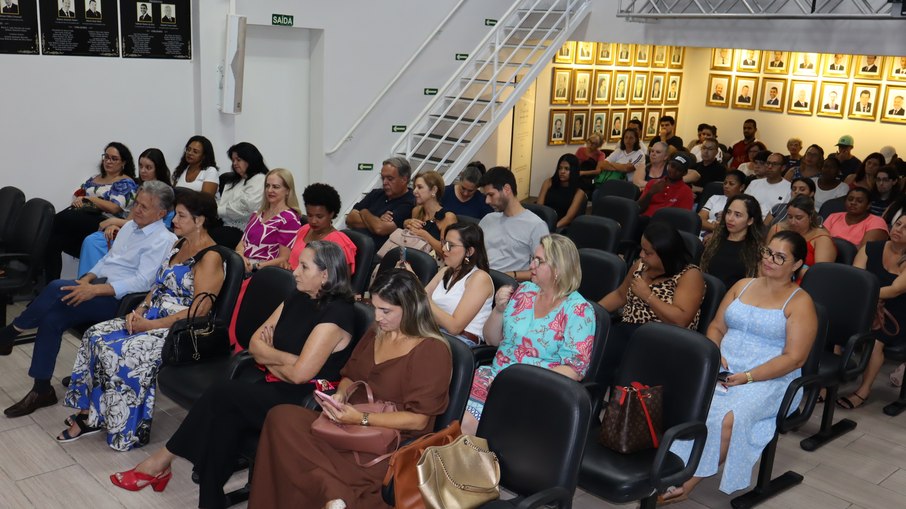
270, 231
544, 323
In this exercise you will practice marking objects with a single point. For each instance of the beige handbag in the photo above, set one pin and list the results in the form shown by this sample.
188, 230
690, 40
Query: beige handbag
463, 474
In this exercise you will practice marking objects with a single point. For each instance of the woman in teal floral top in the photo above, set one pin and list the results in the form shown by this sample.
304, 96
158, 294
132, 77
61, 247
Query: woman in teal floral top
544, 323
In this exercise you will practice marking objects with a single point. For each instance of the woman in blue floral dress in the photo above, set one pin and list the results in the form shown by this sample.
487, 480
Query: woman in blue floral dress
113, 379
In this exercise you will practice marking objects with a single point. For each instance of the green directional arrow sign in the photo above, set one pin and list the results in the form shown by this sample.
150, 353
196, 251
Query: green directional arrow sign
365, 167
462, 56
397, 128
490, 22
430, 91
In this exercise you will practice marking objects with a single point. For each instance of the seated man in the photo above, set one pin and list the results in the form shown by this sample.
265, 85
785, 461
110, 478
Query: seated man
709, 169
138, 251
670, 190
772, 189
511, 233
383, 210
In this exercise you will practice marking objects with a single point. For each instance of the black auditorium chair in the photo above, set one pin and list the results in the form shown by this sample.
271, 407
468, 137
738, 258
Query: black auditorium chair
896, 353
685, 363
364, 259
12, 199
621, 188
626, 213
693, 245
832, 206
547, 214
594, 232
789, 419
424, 265
834, 286
710, 189
681, 219
467, 219
536, 421
846, 251
602, 273
715, 289
23, 255
500, 280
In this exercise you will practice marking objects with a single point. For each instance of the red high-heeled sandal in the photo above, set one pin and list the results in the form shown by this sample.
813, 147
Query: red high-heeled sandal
134, 481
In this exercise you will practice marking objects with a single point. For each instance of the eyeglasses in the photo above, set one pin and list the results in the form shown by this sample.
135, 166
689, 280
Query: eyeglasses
883, 179
112, 159
536, 260
778, 258
775, 164
448, 246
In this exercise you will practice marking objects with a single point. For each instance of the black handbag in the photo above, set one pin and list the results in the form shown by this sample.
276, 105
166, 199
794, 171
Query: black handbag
197, 338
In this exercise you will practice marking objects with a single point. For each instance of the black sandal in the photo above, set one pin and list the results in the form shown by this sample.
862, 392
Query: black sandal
847, 403
80, 420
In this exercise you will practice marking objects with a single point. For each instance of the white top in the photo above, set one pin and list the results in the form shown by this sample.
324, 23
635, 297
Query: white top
715, 205
822, 196
767, 194
449, 299
697, 152
635, 158
240, 200
511, 241
208, 174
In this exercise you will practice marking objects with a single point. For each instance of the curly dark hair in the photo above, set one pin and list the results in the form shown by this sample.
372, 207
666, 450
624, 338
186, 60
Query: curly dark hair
751, 249
323, 195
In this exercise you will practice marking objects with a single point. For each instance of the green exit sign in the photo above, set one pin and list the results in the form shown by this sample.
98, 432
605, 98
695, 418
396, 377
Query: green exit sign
490, 22
365, 167
462, 56
282, 20
398, 129
430, 91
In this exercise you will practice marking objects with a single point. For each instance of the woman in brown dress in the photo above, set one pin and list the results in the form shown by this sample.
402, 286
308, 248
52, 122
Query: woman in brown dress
405, 360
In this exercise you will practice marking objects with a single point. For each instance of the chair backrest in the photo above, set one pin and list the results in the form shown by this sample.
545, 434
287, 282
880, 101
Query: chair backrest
547, 214
460, 383
233, 275
468, 219
834, 286
31, 233
500, 280
621, 188
693, 245
602, 273
594, 232
364, 259
12, 199
536, 421
424, 265
622, 210
832, 206
364, 318
846, 251
710, 189
602, 332
715, 289
681, 219
683, 361
266, 290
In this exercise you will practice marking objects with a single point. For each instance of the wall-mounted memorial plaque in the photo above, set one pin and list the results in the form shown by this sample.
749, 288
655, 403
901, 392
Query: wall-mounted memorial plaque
79, 27
19, 26
156, 28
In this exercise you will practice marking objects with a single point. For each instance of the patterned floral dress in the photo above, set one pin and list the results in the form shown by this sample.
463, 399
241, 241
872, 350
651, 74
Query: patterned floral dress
115, 374
563, 337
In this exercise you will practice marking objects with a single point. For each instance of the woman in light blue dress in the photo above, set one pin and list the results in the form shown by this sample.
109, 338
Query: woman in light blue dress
764, 328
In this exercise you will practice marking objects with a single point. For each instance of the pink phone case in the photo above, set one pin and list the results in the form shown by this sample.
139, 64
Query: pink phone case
323, 397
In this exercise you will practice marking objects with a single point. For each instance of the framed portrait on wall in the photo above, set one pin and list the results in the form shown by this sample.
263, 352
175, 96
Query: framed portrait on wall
566, 54
585, 52
637, 114
897, 68
604, 55
602, 87
599, 123
556, 128
744, 95
836, 65
677, 57
617, 123
863, 102
868, 67
775, 62
718, 90
674, 81
642, 56
624, 54
560, 85
578, 124
672, 113
894, 106
721, 59
805, 64
656, 90
581, 86
639, 87
748, 60
620, 87
802, 95
832, 99
659, 58
650, 130
773, 91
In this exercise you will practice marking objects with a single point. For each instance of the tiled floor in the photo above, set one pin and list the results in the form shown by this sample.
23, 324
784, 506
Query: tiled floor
864, 469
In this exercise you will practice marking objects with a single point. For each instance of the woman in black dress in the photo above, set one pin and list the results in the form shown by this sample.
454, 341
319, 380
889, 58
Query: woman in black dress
562, 192
733, 251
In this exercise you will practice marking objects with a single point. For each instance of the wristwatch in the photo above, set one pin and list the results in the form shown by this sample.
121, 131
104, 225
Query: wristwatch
364, 421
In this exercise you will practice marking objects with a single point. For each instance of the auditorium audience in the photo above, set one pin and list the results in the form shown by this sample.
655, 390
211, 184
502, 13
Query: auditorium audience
828, 185
752, 149
733, 251
322, 204
794, 158
270, 231
764, 328
591, 151
802, 218
773, 188
383, 210
429, 218
197, 169
463, 197
810, 165
884, 191
706, 132
656, 167
740, 150
857, 224
708, 169
405, 360
848, 162
299, 348
562, 192
734, 184
624, 162
800, 186
865, 175
670, 190
241, 192
544, 322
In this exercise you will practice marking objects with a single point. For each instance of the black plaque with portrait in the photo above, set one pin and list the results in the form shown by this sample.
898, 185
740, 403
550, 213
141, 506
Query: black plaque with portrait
19, 27
156, 28
79, 27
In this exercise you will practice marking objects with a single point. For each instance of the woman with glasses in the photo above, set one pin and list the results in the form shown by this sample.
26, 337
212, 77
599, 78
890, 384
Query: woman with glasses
809, 166
857, 224
802, 218
543, 322
197, 169
107, 194
867, 172
764, 328
884, 191
463, 198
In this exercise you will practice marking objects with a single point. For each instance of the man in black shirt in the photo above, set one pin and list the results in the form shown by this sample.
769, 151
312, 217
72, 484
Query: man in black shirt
668, 125
709, 169
383, 210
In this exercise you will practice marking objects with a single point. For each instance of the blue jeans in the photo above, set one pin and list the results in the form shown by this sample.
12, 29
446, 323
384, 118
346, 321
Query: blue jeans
52, 318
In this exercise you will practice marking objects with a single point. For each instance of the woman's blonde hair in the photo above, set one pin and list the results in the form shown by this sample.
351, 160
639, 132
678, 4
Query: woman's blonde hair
292, 201
435, 180
401, 288
563, 258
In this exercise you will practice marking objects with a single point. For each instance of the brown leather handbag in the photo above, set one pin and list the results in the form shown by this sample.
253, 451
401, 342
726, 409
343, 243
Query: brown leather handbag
633, 419
403, 473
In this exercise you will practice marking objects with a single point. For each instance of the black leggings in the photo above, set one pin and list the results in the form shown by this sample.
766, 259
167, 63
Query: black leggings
70, 227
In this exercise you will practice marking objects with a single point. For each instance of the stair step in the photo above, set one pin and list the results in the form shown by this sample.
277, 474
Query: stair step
482, 81
542, 11
455, 118
447, 139
501, 63
433, 159
475, 100
524, 46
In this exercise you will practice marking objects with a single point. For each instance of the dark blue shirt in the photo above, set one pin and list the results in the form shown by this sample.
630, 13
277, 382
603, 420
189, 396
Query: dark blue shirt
475, 207
377, 203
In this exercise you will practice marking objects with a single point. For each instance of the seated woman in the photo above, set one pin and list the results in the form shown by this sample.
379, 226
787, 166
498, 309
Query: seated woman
429, 219
828, 185
624, 162
241, 192
733, 252
197, 169
800, 186
544, 323
867, 172
589, 156
405, 360
270, 231
857, 224
562, 192
809, 166
151, 166
803, 219
300, 347
463, 197
885, 260
462, 290
102, 196
734, 184
656, 167
764, 328
751, 150
322, 204
113, 378
884, 192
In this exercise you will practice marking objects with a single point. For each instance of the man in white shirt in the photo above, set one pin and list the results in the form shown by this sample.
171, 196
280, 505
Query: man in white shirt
773, 188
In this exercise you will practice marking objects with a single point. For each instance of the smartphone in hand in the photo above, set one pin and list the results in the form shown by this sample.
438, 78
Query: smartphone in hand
723, 375
403, 254
326, 399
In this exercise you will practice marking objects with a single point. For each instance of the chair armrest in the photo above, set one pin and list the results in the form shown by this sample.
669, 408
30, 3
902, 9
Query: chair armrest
696, 431
812, 385
484, 354
8, 257
129, 302
863, 342
241, 361
557, 495
596, 393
